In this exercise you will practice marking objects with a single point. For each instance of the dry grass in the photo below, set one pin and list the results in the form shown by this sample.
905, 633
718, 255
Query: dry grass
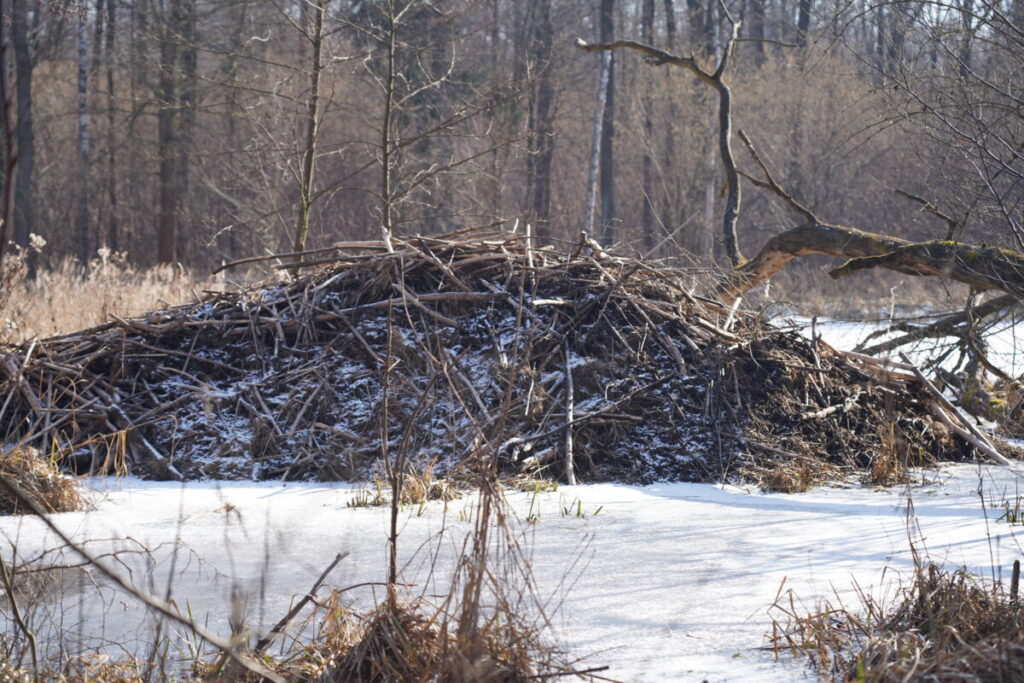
72, 297
421, 487
943, 625
39, 479
415, 641
792, 475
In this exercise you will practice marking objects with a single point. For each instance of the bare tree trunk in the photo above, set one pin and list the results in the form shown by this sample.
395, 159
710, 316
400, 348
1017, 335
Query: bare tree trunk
541, 149
608, 129
136, 195
387, 141
312, 122
967, 29
10, 155
803, 22
97, 35
670, 25
698, 24
82, 218
595, 146
24, 187
167, 142
113, 238
233, 110
647, 186
756, 23
672, 199
186, 122
706, 249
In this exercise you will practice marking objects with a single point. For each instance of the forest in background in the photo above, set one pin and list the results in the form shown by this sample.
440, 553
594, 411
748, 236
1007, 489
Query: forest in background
196, 132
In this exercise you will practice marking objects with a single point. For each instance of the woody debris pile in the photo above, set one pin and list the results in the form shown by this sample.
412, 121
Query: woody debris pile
476, 344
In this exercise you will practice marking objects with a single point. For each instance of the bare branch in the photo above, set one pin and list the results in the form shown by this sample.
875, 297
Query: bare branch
772, 185
953, 224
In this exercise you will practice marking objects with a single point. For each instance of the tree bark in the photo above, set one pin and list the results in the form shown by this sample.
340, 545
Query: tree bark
387, 133
756, 24
24, 182
541, 143
167, 142
595, 146
670, 25
803, 22
186, 121
113, 236
312, 124
698, 24
82, 218
647, 181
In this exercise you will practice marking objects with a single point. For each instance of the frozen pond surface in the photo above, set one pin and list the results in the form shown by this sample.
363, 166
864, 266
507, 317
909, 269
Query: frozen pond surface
668, 581
1005, 343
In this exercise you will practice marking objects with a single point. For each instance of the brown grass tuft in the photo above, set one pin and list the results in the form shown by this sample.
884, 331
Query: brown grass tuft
421, 487
413, 641
39, 479
944, 625
792, 476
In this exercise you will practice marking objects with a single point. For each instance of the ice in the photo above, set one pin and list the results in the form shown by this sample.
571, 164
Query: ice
668, 581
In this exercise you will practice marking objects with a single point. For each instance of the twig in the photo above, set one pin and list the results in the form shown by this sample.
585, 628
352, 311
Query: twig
280, 626
771, 185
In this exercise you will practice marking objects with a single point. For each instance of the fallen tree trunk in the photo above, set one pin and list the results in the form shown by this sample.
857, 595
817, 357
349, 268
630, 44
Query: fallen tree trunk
983, 268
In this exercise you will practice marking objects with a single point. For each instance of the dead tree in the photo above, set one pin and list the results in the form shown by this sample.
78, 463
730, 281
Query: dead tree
983, 267
716, 80
316, 37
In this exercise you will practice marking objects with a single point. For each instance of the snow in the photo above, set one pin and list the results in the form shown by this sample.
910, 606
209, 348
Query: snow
668, 581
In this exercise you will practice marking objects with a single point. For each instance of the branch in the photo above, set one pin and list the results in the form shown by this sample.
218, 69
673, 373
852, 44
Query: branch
953, 224
945, 327
772, 185
809, 238
654, 56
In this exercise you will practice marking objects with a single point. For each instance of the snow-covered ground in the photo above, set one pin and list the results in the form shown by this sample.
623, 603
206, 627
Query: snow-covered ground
664, 582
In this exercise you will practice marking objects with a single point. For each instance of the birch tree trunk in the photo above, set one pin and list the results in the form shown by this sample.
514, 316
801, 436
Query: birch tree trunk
113, 237
595, 145
608, 129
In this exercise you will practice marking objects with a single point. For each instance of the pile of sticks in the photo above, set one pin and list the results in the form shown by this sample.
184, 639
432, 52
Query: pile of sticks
477, 343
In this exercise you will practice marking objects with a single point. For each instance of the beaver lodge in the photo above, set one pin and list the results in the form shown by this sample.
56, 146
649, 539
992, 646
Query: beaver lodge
471, 345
